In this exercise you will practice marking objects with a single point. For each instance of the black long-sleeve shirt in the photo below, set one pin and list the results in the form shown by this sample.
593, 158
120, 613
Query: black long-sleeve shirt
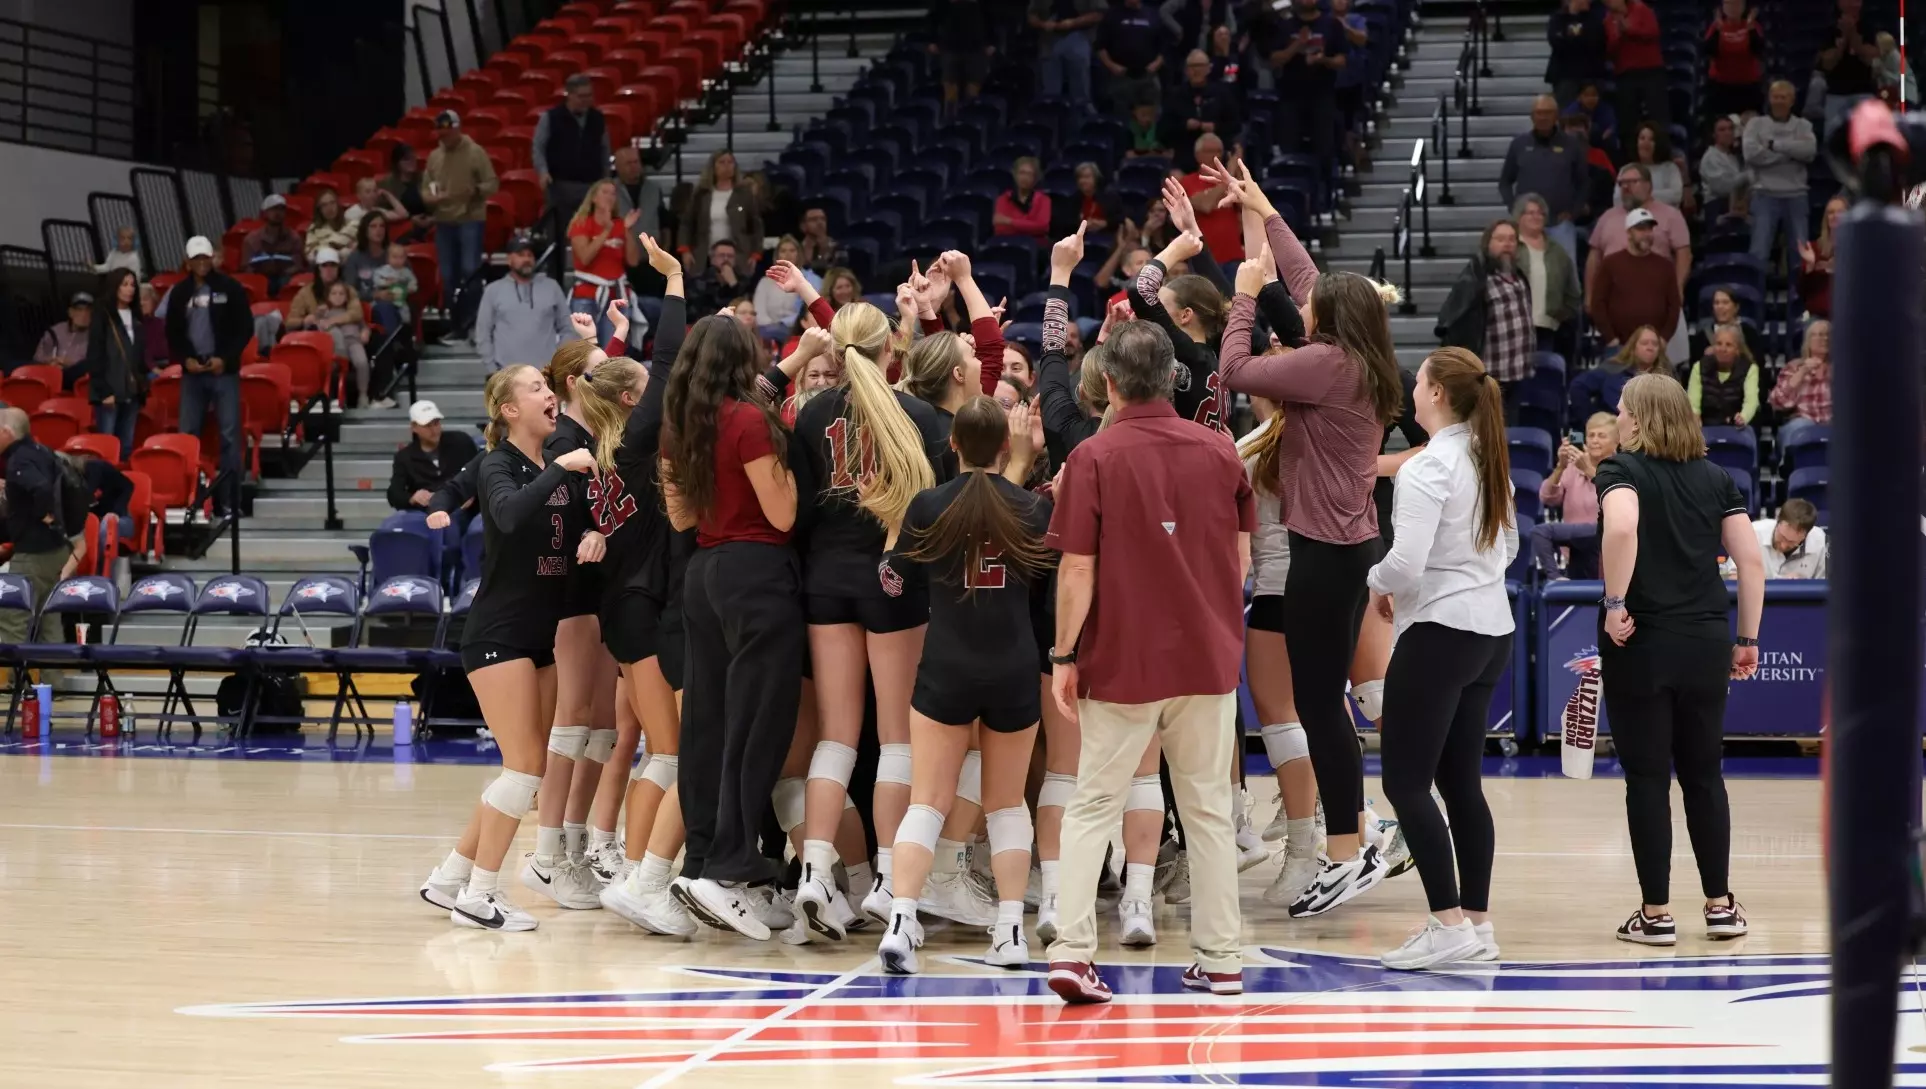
526, 549
626, 501
424, 470
1064, 422
33, 498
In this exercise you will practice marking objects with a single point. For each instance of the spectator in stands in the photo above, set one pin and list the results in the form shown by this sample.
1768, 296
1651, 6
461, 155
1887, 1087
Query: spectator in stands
1225, 66
371, 200
1552, 165
1130, 45
1722, 172
1652, 148
1804, 388
116, 362
1350, 78
1815, 263
431, 458
404, 184
272, 249
1725, 311
1597, 390
1897, 84
1489, 309
776, 309
341, 317
1638, 64
818, 250
1217, 220
1196, 106
1670, 238
962, 47
717, 284
523, 315
1633, 286
1146, 133
392, 286
1778, 145
1067, 29
1569, 490
1577, 37
154, 327
330, 227
1734, 46
1850, 64
457, 184
1548, 269
370, 253
1724, 386
209, 322
1023, 211
1090, 203
571, 146
124, 254
64, 344
635, 191
1793, 544
718, 209
841, 287
603, 246
1307, 51
304, 308
1601, 119
40, 547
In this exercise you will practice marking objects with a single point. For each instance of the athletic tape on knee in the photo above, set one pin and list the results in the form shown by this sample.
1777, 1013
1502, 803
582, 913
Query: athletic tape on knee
849, 803
834, 761
969, 780
893, 765
568, 741
1284, 743
1010, 829
1369, 696
662, 770
512, 793
601, 746
920, 825
788, 800
1146, 794
1056, 790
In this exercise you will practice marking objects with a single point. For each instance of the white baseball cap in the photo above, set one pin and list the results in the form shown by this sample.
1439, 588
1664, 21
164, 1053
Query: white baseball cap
1639, 217
423, 413
273, 200
327, 255
199, 246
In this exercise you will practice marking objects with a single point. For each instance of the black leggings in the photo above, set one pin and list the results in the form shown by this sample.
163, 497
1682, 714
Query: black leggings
1665, 697
1324, 598
1437, 696
743, 682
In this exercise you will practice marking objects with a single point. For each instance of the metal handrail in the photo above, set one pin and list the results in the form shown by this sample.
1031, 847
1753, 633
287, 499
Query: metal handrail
1464, 88
1440, 147
1401, 245
1420, 192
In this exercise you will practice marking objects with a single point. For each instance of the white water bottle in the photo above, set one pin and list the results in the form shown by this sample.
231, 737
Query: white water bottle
404, 723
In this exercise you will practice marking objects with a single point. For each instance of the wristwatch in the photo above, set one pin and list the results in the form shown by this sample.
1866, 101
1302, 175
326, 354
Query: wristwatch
1063, 659
1744, 641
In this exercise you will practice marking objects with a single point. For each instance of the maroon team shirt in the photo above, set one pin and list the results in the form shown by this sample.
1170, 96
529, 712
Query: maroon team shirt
742, 436
1159, 501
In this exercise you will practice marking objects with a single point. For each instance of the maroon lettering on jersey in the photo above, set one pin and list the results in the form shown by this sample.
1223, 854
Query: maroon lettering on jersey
551, 565
892, 582
849, 445
610, 501
559, 498
989, 573
1212, 410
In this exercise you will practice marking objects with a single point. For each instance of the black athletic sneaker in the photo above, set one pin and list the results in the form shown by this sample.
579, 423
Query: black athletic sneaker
1725, 921
1643, 929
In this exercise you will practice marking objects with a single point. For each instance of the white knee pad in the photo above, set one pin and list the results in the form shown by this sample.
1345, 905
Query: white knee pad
601, 746
662, 770
832, 760
1369, 696
568, 741
969, 780
1056, 790
893, 765
512, 793
1146, 793
920, 825
1010, 829
789, 802
1284, 743
849, 803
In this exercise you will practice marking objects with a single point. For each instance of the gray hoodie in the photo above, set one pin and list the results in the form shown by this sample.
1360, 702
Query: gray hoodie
521, 322
1777, 152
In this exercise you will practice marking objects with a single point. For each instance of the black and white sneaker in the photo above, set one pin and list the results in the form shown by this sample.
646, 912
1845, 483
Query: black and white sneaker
1340, 882
1725, 921
489, 912
1643, 929
728, 905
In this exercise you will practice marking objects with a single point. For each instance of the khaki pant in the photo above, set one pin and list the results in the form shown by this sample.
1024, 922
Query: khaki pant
42, 569
1197, 734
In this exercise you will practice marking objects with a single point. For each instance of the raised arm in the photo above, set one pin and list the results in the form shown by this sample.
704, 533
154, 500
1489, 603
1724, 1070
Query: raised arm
983, 323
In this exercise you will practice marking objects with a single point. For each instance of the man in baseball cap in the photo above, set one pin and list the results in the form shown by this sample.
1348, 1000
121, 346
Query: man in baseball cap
431, 458
1634, 287
523, 315
456, 187
272, 249
209, 323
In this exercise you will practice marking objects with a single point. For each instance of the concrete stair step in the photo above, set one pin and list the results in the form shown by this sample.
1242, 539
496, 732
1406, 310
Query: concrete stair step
360, 511
1465, 193
1392, 164
1454, 217
1490, 123
1458, 243
1512, 82
1434, 271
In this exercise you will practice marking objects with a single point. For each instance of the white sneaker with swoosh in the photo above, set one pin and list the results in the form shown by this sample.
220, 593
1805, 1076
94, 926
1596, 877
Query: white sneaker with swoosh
1340, 882
489, 912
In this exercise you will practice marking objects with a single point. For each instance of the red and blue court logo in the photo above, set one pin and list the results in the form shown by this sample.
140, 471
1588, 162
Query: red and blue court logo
1306, 1019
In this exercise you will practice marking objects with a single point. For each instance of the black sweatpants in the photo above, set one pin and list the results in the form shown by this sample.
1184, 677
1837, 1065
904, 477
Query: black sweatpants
1641, 97
742, 606
1324, 598
1437, 696
1665, 697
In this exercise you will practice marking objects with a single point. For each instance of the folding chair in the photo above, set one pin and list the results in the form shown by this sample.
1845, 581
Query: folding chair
16, 596
226, 595
443, 658
312, 595
85, 596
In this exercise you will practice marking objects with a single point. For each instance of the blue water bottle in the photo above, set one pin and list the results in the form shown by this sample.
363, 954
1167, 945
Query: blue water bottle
43, 693
404, 723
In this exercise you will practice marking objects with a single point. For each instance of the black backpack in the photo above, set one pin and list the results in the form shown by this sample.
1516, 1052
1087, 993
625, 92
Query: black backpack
74, 497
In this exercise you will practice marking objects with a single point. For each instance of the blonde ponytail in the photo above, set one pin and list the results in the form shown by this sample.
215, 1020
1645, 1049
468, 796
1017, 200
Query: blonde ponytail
893, 465
602, 408
498, 391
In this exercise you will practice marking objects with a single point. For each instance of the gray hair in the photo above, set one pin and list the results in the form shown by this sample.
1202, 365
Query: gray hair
1525, 200
1140, 362
15, 420
576, 82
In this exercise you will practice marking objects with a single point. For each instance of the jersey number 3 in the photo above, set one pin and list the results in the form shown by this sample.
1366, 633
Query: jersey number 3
988, 573
840, 440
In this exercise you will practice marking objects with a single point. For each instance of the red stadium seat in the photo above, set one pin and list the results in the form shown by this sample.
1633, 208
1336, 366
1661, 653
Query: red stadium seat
80, 394
312, 185
172, 471
357, 163
619, 26
163, 405
712, 45
94, 444
544, 87
300, 207
604, 80
674, 25
690, 66
524, 188
457, 99
576, 57
54, 426
266, 389
503, 156
501, 223
509, 64
308, 367
255, 284
426, 265
25, 394
644, 8
619, 117
294, 285
141, 530
630, 60
669, 88
486, 124
49, 375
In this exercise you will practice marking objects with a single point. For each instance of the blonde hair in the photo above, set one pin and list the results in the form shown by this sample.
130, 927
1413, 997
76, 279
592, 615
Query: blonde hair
587, 207
571, 360
927, 366
602, 407
894, 466
1628, 354
1262, 448
1602, 419
1091, 392
1668, 428
499, 390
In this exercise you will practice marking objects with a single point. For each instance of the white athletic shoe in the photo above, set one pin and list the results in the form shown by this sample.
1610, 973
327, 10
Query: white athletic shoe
1280, 825
813, 894
489, 912
1340, 882
608, 862
901, 939
1166, 866
1047, 919
847, 917
568, 884
771, 905
1488, 942
441, 892
1434, 944
654, 910
1397, 853
976, 861
1292, 880
876, 902
724, 907
1008, 949
954, 897
1178, 891
1252, 851
1138, 928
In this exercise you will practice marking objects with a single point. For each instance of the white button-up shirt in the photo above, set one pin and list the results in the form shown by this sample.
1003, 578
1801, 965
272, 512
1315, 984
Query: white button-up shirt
1808, 561
1435, 569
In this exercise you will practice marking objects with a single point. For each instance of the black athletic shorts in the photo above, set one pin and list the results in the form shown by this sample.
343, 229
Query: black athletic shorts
482, 655
878, 615
631, 627
1267, 613
1005, 706
582, 593
671, 645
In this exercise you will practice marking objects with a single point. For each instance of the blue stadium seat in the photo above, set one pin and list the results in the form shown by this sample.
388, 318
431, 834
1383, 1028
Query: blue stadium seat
1733, 447
406, 598
167, 594
1525, 485
1532, 449
404, 545
1810, 485
1810, 449
1521, 569
1744, 479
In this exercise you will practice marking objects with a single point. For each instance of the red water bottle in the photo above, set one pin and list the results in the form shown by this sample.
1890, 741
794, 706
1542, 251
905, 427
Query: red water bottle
30, 715
109, 717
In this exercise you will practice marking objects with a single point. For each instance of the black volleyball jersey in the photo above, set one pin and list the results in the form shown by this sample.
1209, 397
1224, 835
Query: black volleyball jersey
981, 625
530, 526
830, 456
625, 503
584, 579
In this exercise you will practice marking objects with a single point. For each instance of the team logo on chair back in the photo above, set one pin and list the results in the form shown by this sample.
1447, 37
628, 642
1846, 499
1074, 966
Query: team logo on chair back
160, 588
230, 591
85, 591
320, 591
406, 590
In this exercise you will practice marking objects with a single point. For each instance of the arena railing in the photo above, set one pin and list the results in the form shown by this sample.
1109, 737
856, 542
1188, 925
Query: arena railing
67, 91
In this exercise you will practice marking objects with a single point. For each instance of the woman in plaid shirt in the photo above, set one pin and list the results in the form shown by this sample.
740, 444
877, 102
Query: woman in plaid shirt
1805, 386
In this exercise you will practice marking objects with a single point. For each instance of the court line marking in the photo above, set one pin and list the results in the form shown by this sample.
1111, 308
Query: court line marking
742, 1034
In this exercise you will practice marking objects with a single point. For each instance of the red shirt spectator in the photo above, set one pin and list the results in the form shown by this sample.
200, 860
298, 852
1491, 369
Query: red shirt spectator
1221, 227
1022, 210
609, 262
1736, 46
1634, 46
742, 436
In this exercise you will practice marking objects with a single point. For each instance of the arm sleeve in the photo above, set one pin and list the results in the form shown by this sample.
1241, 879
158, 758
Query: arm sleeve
1145, 304
1279, 312
1751, 408
486, 183
1205, 265
459, 490
822, 312
1756, 152
1306, 376
1061, 416
1237, 334
538, 151
1802, 145
1036, 221
1422, 487
645, 423
509, 505
398, 492
989, 351
1294, 265
1785, 392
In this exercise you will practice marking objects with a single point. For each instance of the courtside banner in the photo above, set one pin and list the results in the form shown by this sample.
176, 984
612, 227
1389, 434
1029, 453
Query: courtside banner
1784, 699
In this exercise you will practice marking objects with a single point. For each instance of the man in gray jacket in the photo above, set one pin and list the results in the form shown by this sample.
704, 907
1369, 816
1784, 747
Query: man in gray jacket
1778, 146
1550, 163
524, 315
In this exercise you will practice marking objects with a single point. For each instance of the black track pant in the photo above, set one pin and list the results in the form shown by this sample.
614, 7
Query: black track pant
1665, 698
742, 606
1437, 696
1324, 599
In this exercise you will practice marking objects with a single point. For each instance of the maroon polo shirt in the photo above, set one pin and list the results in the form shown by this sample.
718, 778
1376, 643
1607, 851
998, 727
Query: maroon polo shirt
1159, 501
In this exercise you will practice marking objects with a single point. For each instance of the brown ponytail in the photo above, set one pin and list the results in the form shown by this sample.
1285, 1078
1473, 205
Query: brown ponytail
982, 523
1475, 398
